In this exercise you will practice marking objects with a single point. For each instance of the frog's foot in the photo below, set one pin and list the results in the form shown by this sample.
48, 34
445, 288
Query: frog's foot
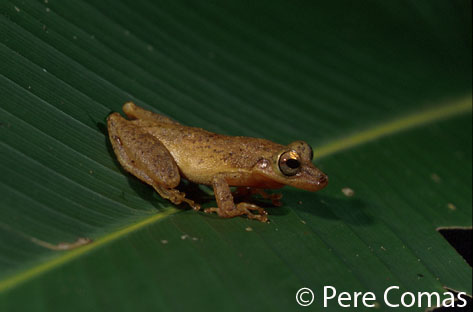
246, 192
241, 209
275, 197
176, 197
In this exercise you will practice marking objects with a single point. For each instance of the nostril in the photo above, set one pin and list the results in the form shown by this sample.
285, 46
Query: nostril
323, 179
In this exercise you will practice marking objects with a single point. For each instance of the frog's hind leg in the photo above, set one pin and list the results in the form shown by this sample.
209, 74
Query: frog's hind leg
133, 111
226, 206
147, 158
175, 196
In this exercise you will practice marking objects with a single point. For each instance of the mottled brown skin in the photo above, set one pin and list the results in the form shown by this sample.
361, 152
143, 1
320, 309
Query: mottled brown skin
159, 151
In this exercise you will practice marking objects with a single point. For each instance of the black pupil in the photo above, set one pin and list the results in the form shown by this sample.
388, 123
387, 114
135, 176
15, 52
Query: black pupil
292, 163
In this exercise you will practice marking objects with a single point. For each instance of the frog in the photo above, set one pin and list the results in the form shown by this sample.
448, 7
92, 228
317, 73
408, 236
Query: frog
161, 151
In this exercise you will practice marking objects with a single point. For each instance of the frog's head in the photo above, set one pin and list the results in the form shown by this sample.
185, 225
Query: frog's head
293, 166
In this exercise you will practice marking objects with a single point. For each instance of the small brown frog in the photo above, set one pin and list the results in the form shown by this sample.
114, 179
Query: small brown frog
159, 151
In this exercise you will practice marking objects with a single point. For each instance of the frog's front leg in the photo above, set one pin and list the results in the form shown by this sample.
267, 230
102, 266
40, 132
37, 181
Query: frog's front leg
226, 206
147, 158
246, 191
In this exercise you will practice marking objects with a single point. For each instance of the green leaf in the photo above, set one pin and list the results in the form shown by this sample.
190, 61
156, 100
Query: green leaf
381, 90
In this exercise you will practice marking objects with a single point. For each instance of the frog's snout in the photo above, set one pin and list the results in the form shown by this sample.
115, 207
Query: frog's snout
310, 179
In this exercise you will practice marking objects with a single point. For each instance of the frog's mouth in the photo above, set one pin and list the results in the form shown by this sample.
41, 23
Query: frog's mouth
310, 179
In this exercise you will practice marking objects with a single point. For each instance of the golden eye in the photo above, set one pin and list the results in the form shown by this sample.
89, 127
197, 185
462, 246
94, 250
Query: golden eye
289, 163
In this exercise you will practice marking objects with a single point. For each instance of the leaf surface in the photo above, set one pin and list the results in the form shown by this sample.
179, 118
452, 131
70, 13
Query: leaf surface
381, 90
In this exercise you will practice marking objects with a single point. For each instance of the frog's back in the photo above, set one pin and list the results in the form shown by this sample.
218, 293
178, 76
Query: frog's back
195, 149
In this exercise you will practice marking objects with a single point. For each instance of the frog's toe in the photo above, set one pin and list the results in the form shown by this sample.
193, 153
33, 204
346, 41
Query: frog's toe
210, 210
193, 204
180, 197
246, 208
241, 209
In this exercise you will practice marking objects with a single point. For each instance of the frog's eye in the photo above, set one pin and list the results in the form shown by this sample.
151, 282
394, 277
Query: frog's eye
304, 149
289, 163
